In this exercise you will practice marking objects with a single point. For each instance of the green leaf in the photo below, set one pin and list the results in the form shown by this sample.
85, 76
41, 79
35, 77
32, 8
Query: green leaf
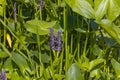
111, 29
39, 27
95, 73
113, 9
8, 64
81, 7
1, 11
74, 73
116, 67
95, 63
20, 61
100, 8
81, 30
11, 25
96, 50
45, 58
3, 54
16, 76
1, 7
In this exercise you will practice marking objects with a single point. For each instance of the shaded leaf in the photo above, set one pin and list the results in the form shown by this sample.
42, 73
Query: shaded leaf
45, 58
96, 50
74, 73
116, 67
20, 61
39, 27
111, 29
81, 7
8, 64
3, 54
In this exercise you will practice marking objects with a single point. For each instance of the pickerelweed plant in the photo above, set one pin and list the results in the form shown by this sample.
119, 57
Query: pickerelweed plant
55, 42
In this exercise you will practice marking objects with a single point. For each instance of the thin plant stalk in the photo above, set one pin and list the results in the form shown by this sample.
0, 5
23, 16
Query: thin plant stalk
4, 15
65, 38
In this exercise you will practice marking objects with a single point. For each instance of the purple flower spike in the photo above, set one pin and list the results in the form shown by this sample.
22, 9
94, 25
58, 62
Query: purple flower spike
40, 4
52, 38
15, 11
59, 43
3, 75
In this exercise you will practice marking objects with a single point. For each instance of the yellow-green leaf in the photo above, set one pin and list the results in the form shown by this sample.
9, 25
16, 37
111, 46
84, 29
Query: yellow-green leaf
39, 27
100, 8
81, 7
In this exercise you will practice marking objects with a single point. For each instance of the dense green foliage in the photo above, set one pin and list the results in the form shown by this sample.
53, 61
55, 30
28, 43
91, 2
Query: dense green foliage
90, 39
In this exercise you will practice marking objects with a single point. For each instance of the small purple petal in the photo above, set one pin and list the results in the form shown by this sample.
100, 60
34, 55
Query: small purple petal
15, 11
59, 41
3, 75
40, 4
52, 38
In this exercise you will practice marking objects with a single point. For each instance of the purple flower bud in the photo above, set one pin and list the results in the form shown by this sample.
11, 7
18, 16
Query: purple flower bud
15, 11
40, 4
3, 75
59, 43
52, 46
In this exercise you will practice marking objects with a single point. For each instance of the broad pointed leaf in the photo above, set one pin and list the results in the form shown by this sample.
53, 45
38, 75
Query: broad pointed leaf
39, 27
113, 9
111, 28
74, 73
95, 63
116, 67
100, 8
20, 61
81, 7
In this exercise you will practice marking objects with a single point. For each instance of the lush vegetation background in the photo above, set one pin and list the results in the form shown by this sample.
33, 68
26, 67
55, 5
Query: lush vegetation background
90, 31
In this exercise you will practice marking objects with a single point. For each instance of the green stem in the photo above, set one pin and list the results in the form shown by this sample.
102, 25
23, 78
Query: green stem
61, 64
86, 41
5, 32
66, 39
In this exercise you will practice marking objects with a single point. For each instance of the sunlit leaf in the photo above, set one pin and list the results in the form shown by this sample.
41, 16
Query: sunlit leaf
81, 30
20, 61
74, 73
95, 73
81, 7
39, 27
113, 9
1, 8
15, 76
100, 8
9, 40
95, 63
111, 28
116, 67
